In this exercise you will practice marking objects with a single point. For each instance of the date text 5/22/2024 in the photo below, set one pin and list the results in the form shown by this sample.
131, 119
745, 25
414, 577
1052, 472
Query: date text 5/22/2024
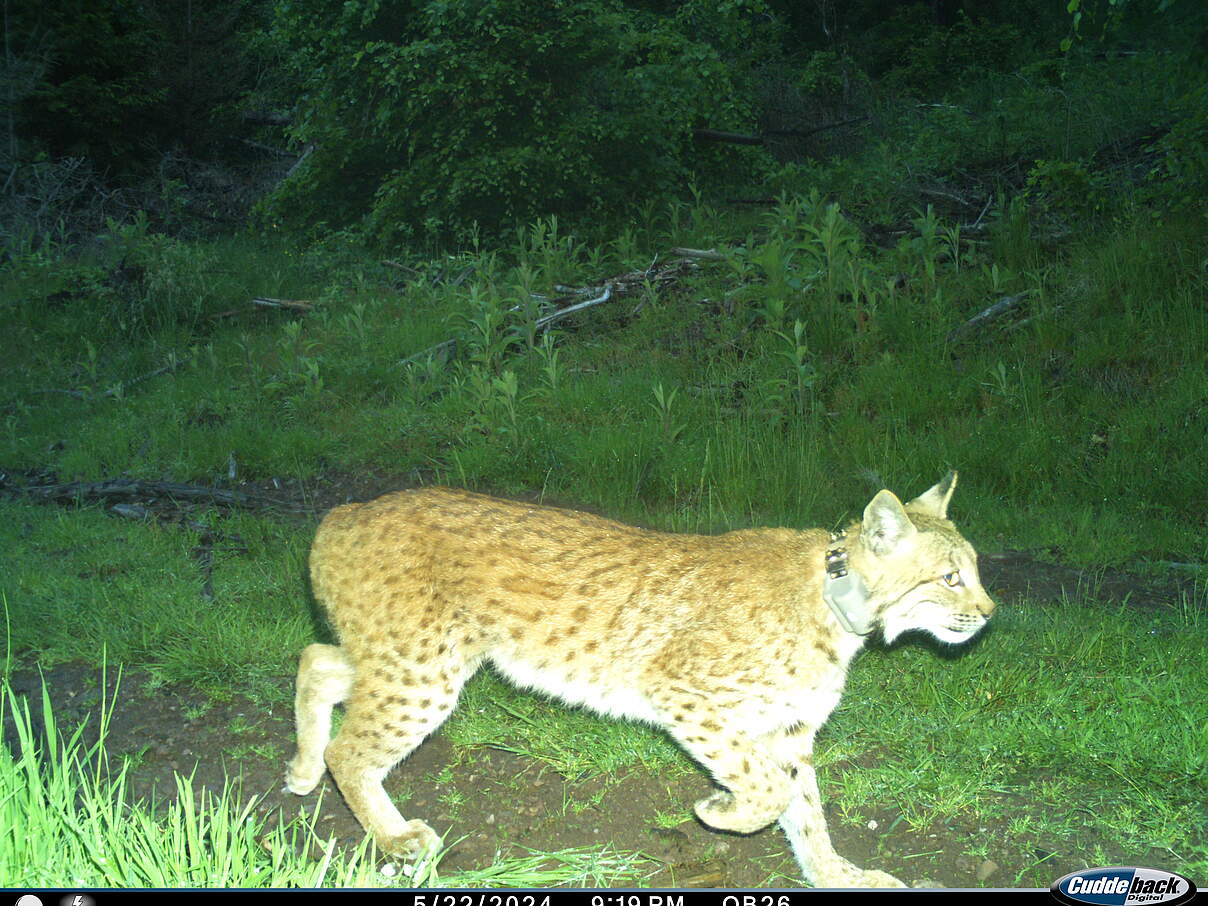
619, 898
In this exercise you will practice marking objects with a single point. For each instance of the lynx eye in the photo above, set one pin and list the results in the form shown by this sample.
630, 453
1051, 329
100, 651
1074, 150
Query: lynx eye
953, 578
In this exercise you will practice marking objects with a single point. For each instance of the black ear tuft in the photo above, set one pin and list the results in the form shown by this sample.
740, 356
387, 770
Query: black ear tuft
934, 501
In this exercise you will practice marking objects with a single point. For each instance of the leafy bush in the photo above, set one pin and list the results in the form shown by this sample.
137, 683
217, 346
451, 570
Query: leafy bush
921, 58
1066, 189
430, 119
121, 80
1180, 179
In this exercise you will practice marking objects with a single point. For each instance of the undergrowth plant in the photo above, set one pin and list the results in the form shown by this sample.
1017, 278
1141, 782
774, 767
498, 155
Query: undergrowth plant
67, 820
795, 390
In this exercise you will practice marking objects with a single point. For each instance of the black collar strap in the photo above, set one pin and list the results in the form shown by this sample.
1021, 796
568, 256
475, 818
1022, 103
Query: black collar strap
845, 592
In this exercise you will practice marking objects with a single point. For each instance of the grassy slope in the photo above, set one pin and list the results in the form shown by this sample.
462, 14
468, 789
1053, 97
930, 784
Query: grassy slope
1079, 433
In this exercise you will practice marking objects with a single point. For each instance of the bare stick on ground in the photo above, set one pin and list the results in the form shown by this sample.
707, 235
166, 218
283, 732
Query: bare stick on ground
982, 318
131, 489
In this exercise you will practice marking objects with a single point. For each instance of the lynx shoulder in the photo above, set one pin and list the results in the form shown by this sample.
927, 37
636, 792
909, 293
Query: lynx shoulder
737, 644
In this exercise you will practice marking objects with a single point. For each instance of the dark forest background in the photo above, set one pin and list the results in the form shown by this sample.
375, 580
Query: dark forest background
434, 121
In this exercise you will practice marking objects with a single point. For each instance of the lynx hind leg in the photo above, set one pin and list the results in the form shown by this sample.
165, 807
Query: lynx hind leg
385, 720
325, 678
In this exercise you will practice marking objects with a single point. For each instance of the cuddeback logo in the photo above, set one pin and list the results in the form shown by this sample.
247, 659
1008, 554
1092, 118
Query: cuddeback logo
1121, 886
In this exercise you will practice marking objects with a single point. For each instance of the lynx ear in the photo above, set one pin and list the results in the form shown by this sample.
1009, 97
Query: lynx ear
885, 524
934, 502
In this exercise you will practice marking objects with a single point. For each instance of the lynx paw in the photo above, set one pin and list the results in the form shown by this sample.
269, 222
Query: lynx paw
300, 780
725, 812
417, 841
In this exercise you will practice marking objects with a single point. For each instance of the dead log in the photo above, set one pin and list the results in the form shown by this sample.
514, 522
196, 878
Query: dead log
984, 317
293, 304
706, 254
134, 489
738, 138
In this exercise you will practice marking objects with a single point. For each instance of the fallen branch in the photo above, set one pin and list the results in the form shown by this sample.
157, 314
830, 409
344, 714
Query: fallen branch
298, 305
612, 289
977, 224
706, 254
299, 162
450, 345
951, 196
123, 386
561, 313
733, 138
982, 318
120, 387
130, 489
737, 138
402, 267
293, 304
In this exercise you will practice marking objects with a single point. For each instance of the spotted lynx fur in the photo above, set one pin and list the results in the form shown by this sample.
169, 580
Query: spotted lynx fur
725, 641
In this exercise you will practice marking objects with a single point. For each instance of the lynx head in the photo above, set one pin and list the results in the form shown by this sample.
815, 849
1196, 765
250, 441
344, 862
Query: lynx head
919, 571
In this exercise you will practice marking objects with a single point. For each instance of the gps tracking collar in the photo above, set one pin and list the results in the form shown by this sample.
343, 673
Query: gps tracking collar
844, 591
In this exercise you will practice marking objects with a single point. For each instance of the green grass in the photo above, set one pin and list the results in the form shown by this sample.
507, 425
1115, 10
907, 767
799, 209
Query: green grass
66, 820
1078, 432
83, 582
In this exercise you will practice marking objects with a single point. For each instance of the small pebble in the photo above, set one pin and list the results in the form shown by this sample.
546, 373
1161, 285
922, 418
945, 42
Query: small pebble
987, 869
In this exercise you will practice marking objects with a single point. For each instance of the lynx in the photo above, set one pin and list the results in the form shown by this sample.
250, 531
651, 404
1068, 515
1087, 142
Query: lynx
736, 644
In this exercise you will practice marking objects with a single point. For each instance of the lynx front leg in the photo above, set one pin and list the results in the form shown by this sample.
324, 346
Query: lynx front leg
756, 788
804, 824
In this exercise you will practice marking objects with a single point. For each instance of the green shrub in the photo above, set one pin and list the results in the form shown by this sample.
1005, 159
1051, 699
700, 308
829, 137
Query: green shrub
921, 58
1180, 178
429, 118
1066, 189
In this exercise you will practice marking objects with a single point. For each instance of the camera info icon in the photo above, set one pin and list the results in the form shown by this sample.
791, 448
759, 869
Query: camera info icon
72, 899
